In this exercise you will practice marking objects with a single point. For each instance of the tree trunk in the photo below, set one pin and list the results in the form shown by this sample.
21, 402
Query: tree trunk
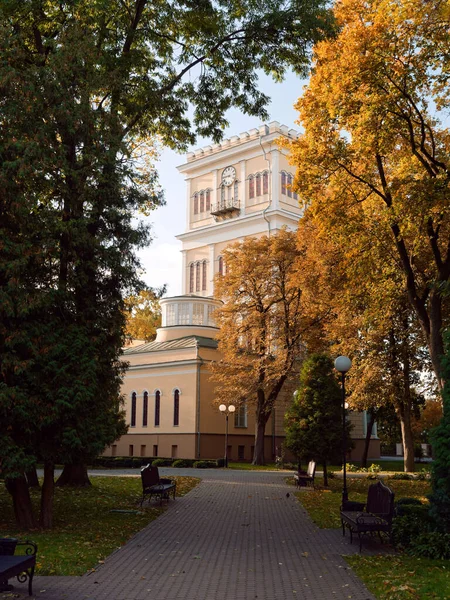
32, 478
47, 494
75, 476
23, 510
367, 440
258, 455
407, 438
325, 474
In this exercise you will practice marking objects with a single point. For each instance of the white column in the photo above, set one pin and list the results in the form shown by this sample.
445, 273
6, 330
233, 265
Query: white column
184, 273
214, 195
275, 179
211, 270
243, 187
188, 203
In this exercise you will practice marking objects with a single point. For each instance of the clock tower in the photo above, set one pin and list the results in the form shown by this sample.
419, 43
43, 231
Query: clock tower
235, 189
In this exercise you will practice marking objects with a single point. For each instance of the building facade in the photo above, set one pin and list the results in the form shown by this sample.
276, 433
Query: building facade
236, 189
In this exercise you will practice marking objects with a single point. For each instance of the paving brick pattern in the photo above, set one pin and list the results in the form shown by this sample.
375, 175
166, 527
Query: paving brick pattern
236, 536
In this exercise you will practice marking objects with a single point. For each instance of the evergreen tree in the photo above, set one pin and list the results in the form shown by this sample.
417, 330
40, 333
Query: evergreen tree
314, 421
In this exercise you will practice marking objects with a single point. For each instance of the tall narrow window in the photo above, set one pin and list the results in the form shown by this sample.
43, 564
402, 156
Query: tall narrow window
265, 182
208, 200
251, 187
204, 275
258, 184
236, 192
289, 189
195, 204
283, 182
240, 416
220, 261
197, 277
133, 410
222, 194
191, 278
145, 410
157, 407
295, 195
202, 202
176, 407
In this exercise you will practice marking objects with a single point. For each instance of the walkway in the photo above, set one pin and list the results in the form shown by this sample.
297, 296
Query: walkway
239, 535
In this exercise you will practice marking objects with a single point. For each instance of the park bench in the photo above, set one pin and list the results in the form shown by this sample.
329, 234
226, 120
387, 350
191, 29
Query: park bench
21, 565
305, 478
373, 517
154, 485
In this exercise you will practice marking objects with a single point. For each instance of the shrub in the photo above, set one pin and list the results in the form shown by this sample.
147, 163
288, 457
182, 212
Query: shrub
205, 464
220, 462
432, 544
374, 468
352, 468
183, 463
162, 462
406, 529
401, 476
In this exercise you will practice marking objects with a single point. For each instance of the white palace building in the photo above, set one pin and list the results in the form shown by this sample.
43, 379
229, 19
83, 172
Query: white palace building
235, 189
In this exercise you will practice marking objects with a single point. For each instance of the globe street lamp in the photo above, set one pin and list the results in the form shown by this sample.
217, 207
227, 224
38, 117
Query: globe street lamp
342, 364
226, 410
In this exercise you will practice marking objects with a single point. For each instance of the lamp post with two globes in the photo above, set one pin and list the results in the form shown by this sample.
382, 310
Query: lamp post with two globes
226, 410
342, 364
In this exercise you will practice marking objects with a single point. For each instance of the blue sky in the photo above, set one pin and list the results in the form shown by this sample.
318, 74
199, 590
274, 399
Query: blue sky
161, 261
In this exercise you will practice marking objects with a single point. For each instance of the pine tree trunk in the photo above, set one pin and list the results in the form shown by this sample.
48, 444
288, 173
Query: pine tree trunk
74, 476
367, 442
47, 494
23, 510
325, 474
32, 478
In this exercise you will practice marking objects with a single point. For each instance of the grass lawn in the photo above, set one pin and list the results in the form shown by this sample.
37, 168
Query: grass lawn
85, 529
397, 577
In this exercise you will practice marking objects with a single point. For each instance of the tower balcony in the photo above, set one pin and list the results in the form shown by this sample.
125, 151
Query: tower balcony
223, 207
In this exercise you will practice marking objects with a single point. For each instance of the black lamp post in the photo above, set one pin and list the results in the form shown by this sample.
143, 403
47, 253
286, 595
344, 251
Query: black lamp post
226, 410
342, 364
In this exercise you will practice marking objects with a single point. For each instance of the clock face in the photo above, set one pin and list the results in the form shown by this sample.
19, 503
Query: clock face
228, 175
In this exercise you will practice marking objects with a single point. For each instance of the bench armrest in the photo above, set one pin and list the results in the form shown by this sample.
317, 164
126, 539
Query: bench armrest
30, 547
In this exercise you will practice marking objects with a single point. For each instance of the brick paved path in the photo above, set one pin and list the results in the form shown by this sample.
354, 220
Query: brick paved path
236, 536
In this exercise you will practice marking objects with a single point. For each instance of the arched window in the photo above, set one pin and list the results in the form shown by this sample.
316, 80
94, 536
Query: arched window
176, 408
222, 193
157, 407
283, 182
195, 204
220, 261
191, 278
204, 275
202, 202
145, 410
251, 187
208, 200
197, 277
265, 182
289, 189
133, 410
258, 184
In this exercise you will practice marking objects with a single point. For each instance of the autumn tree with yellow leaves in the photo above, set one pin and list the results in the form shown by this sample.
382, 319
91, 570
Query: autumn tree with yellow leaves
265, 322
374, 146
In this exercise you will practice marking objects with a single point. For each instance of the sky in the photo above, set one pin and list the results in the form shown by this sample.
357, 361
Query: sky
161, 261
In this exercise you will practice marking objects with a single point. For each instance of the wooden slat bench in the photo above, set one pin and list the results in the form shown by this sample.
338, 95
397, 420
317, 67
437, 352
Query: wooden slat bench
154, 485
17, 565
305, 478
373, 517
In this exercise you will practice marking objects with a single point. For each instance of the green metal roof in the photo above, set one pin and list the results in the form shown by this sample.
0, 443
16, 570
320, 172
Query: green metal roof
178, 344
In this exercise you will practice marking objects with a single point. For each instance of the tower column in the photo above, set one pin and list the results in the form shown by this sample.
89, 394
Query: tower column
184, 273
243, 187
212, 259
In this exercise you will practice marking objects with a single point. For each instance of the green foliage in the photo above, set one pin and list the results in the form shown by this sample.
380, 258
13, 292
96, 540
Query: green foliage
314, 421
162, 462
183, 463
205, 464
440, 497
